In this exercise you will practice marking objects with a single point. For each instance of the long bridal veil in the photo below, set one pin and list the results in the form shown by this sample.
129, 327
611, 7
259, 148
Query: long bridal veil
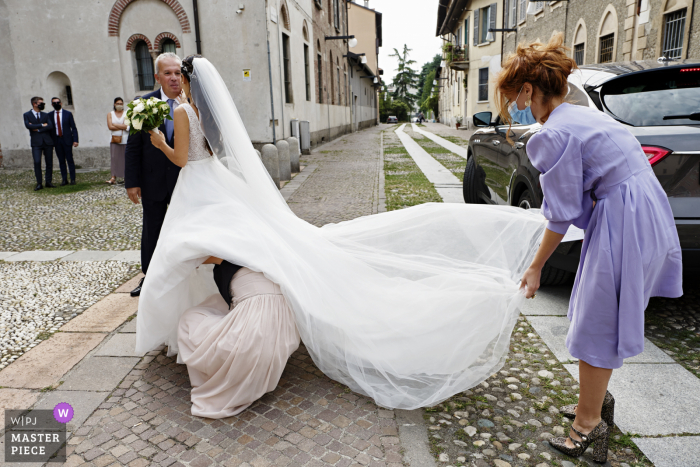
408, 307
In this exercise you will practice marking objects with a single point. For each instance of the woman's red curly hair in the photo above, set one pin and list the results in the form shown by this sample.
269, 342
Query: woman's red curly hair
545, 67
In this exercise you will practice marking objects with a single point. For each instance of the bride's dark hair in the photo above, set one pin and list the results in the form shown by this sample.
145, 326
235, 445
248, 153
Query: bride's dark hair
187, 67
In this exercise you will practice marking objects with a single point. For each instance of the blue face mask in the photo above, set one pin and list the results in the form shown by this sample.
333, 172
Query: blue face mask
524, 117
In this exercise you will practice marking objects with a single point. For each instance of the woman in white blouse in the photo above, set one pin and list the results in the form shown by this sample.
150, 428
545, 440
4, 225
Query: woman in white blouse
120, 134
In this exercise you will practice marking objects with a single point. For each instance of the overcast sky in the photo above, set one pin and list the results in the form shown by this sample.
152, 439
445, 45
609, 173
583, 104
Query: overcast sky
410, 22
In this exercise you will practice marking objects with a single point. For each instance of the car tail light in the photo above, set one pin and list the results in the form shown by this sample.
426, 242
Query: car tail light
655, 154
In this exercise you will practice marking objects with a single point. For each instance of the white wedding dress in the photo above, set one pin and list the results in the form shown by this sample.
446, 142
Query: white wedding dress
408, 307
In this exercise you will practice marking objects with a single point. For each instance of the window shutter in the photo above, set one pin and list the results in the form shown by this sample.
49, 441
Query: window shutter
466, 31
506, 10
492, 18
476, 27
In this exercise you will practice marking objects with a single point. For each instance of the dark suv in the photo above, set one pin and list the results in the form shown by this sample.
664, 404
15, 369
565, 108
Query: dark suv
658, 102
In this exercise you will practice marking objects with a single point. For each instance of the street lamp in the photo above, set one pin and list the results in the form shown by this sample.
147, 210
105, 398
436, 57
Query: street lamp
352, 42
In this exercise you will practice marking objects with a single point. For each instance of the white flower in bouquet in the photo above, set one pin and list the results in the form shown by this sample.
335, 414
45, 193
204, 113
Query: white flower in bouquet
147, 114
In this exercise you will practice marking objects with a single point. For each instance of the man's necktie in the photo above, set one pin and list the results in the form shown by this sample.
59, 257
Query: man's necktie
58, 123
169, 127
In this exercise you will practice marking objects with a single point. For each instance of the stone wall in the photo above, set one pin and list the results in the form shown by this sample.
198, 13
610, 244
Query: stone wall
638, 32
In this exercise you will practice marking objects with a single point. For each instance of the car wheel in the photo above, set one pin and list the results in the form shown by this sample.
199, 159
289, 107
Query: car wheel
550, 275
469, 190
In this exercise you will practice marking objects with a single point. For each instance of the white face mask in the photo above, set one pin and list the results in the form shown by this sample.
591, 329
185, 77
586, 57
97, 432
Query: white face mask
119, 108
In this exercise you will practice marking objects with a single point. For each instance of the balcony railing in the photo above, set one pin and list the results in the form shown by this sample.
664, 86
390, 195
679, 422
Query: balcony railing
457, 57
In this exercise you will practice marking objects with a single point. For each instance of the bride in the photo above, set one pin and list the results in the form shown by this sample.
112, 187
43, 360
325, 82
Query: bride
408, 307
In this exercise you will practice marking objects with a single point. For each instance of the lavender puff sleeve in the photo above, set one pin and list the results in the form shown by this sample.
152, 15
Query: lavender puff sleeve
558, 157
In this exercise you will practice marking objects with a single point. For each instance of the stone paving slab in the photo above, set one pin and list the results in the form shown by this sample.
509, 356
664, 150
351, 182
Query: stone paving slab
128, 256
553, 330
654, 399
45, 364
88, 255
98, 373
16, 399
553, 301
104, 316
671, 452
38, 255
414, 438
84, 403
130, 326
446, 184
130, 285
449, 145
6, 254
120, 345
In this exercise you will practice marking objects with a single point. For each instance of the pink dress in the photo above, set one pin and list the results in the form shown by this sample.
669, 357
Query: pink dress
234, 356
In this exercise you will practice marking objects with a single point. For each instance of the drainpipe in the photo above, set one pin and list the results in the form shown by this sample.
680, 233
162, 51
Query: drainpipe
269, 70
196, 27
281, 59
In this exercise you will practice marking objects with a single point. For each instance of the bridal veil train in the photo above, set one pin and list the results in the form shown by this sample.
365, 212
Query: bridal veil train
408, 307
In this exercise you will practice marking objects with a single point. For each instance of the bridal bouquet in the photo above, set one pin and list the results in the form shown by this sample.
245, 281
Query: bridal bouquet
146, 114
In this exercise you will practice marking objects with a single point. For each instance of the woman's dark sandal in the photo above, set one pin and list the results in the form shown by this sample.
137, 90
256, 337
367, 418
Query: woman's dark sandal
607, 413
598, 437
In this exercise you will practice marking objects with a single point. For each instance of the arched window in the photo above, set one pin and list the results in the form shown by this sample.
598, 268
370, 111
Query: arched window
305, 31
319, 71
59, 86
284, 17
168, 45
607, 36
144, 65
579, 47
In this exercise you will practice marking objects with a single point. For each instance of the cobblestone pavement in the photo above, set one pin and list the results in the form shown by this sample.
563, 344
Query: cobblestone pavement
90, 215
507, 420
674, 324
309, 420
36, 298
346, 183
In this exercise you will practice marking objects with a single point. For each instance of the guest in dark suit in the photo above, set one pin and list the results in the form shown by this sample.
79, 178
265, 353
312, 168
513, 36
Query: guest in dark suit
65, 138
40, 127
149, 174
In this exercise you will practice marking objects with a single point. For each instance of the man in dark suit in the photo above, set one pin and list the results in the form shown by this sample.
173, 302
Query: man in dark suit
149, 174
65, 138
40, 127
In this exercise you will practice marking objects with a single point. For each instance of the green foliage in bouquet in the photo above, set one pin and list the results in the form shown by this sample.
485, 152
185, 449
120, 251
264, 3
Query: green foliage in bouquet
146, 114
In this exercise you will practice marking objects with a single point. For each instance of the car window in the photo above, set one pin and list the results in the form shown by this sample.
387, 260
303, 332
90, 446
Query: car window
655, 98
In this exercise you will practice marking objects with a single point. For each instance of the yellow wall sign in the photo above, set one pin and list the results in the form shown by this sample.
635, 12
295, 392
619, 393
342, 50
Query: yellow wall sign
246, 75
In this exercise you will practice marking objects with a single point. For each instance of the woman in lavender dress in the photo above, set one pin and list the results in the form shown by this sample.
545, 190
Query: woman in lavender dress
594, 175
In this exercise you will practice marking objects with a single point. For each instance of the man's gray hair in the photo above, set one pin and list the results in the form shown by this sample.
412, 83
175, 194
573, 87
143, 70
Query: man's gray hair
165, 55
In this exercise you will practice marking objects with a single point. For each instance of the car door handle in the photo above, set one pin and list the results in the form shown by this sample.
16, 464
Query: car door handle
519, 145
496, 143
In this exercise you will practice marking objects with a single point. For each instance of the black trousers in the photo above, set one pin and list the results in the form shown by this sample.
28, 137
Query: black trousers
153, 217
64, 152
48, 158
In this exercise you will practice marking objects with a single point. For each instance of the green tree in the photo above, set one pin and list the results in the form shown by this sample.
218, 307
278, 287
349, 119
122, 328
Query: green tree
425, 71
406, 78
429, 96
